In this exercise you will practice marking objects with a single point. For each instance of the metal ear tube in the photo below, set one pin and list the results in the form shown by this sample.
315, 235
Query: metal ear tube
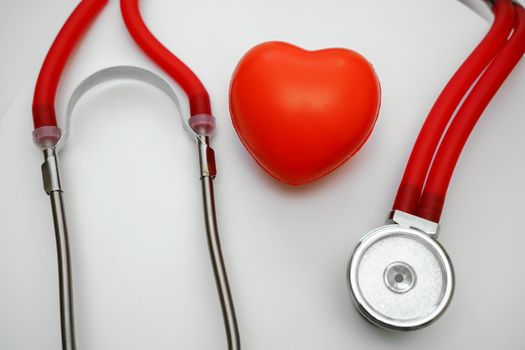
203, 126
52, 186
208, 173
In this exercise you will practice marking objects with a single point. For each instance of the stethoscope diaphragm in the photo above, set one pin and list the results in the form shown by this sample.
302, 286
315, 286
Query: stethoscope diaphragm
400, 278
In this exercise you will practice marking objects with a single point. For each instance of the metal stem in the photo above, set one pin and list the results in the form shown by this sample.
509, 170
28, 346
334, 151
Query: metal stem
53, 188
207, 163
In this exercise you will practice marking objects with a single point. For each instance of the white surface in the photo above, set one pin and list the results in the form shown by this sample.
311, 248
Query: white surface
141, 269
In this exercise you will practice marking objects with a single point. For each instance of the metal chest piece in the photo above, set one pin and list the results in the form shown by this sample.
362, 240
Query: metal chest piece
400, 277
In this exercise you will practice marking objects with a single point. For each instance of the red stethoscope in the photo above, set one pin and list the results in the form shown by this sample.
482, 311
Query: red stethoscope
400, 277
48, 136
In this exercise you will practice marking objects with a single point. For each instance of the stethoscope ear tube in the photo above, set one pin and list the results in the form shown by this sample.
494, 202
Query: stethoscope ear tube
198, 96
202, 123
46, 136
46, 87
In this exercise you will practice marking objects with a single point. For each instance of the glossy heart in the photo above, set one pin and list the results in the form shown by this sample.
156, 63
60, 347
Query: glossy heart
301, 114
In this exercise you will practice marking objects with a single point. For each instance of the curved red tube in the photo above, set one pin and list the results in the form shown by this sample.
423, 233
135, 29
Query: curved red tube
433, 197
46, 87
184, 76
409, 192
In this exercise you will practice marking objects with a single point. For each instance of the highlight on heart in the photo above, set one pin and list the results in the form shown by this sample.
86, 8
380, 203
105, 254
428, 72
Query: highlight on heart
302, 114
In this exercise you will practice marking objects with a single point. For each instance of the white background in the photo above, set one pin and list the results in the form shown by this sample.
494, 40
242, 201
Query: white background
142, 276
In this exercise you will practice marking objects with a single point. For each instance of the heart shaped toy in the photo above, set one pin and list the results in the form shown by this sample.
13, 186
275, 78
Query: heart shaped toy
301, 114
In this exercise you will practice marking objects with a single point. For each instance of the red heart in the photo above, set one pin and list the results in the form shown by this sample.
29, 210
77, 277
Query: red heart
301, 114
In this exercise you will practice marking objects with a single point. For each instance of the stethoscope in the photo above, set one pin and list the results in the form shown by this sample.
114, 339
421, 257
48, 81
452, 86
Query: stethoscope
400, 277
50, 138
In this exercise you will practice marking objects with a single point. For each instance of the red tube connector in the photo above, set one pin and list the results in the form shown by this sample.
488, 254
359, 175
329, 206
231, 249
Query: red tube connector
184, 76
411, 187
46, 87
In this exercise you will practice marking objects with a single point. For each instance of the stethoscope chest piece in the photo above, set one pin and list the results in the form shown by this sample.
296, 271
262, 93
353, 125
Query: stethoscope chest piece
400, 277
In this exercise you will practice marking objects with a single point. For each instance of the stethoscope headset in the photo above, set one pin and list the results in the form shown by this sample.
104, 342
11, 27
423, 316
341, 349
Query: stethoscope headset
49, 137
399, 276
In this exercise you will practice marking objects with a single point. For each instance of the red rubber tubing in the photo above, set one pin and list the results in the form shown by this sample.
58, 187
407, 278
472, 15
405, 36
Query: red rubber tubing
46, 87
433, 197
411, 186
182, 74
